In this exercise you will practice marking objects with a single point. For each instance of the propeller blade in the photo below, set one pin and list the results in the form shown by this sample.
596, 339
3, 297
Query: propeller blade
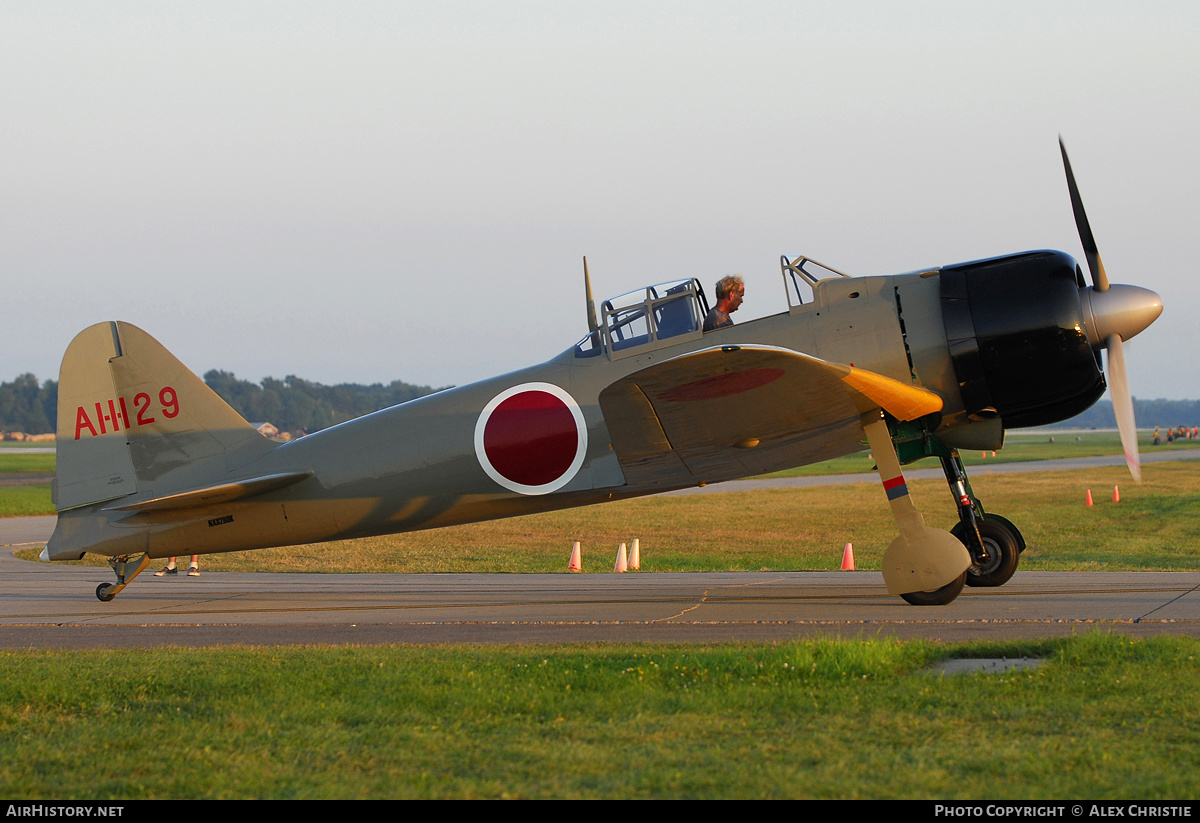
1099, 278
1123, 404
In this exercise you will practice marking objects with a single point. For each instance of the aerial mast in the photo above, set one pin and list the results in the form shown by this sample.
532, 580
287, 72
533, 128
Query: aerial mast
591, 302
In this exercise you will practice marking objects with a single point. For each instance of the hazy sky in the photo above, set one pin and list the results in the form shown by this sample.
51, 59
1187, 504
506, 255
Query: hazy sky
369, 191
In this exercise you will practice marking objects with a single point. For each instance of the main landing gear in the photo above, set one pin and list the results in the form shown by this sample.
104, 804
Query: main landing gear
994, 543
126, 569
928, 566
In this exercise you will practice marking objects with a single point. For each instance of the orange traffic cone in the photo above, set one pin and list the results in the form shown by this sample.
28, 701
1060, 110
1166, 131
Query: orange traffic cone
1089, 498
576, 564
848, 558
1116, 495
983, 455
635, 555
622, 564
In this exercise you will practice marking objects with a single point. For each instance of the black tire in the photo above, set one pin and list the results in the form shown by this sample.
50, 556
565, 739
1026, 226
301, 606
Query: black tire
938, 597
1012, 528
102, 593
1004, 552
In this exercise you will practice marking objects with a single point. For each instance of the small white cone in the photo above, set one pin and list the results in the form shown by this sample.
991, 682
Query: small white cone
635, 555
622, 564
576, 564
848, 558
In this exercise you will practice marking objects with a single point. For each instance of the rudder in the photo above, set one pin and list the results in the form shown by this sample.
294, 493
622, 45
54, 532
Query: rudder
132, 418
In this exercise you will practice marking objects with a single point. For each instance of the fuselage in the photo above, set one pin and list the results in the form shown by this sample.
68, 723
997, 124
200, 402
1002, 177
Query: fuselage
536, 439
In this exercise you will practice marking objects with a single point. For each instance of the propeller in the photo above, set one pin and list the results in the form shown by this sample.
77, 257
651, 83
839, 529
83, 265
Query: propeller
1112, 314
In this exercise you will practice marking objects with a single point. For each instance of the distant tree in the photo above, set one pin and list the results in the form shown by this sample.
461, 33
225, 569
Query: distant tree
1149, 413
297, 405
25, 406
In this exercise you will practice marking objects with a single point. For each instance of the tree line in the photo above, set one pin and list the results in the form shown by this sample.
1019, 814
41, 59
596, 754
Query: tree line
301, 406
26, 406
291, 404
1149, 413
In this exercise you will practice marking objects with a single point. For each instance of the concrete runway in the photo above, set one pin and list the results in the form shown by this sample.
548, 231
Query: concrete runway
52, 606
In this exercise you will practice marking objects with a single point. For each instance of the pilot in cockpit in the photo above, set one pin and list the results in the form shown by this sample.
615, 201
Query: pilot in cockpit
730, 292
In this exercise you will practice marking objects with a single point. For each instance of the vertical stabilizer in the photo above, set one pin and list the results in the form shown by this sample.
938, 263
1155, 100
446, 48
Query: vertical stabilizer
132, 418
93, 462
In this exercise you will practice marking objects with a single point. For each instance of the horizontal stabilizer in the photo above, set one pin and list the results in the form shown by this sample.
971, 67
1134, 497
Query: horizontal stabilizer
223, 493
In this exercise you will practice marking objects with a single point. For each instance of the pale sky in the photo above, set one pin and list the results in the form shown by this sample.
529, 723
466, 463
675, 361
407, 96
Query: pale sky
369, 191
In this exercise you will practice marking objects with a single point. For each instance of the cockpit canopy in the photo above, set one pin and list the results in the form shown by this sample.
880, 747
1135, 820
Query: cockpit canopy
641, 319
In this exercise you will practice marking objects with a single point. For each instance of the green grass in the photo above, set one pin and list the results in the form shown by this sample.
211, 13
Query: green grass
1106, 717
26, 463
1018, 447
25, 501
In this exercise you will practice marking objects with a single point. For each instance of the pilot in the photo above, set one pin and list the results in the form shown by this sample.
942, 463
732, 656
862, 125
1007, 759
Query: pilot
730, 292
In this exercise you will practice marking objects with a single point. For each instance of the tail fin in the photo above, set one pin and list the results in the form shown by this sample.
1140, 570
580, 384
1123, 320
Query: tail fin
132, 418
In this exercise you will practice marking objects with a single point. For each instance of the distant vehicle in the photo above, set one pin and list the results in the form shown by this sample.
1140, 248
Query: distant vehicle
152, 463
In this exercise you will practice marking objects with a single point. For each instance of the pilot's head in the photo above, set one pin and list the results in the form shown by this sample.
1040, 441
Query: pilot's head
731, 290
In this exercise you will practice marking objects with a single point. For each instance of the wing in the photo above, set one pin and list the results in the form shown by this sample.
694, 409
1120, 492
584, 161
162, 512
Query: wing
734, 411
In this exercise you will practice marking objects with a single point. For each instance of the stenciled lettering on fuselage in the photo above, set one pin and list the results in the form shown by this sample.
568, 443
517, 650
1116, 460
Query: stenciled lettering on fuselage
113, 415
531, 438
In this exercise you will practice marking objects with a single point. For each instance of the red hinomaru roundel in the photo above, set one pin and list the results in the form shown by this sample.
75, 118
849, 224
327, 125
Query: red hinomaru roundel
531, 438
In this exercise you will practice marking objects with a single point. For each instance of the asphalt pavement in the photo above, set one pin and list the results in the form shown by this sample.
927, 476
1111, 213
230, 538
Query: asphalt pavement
54, 606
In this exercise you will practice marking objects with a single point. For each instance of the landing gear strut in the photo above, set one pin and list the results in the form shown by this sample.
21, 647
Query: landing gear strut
126, 570
994, 543
924, 565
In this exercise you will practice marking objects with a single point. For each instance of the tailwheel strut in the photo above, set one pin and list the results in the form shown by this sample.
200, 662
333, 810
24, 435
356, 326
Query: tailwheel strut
994, 543
126, 569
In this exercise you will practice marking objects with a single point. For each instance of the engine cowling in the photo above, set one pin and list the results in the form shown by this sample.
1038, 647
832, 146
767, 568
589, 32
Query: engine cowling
1018, 339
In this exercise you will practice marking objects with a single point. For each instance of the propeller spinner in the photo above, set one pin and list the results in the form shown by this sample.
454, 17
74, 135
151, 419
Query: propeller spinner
1112, 315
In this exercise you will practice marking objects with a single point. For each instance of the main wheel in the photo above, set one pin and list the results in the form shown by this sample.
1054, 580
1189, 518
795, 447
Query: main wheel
1004, 552
102, 593
937, 597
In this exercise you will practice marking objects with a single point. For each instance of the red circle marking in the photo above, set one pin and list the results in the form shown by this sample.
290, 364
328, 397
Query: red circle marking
531, 438
721, 385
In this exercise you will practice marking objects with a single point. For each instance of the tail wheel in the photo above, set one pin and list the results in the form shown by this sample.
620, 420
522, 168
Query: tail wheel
938, 597
1004, 551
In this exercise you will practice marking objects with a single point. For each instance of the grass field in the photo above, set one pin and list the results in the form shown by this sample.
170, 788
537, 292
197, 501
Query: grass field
1022, 446
1018, 447
1104, 717
11, 463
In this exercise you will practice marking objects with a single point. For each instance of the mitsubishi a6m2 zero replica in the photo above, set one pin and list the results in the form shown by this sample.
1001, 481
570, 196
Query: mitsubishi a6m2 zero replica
151, 463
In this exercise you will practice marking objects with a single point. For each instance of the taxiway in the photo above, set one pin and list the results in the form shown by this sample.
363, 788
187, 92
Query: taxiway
53, 606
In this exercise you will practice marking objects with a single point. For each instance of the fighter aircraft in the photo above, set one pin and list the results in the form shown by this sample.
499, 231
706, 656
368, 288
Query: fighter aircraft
152, 463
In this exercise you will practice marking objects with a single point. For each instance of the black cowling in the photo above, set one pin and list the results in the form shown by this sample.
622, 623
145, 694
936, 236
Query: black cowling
1014, 325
